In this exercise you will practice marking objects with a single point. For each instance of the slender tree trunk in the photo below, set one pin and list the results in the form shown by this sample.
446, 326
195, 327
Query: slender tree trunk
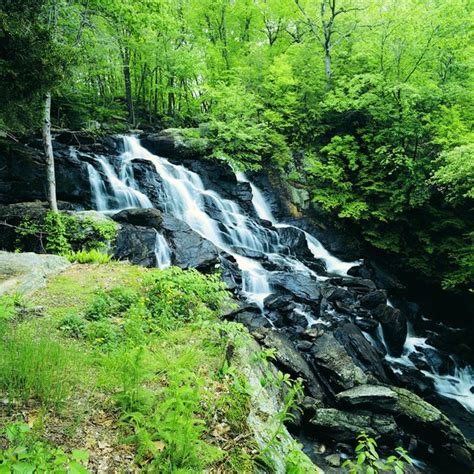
48, 151
128, 85
328, 67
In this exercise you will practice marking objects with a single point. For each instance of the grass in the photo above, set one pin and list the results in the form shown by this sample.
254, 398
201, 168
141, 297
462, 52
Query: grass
35, 366
133, 359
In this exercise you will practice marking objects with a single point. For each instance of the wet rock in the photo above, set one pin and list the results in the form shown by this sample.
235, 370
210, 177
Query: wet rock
176, 143
382, 278
424, 420
415, 416
363, 353
279, 302
290, 361
366, 324
394, 326
23, 172
373, 299
141, 217
231, 275
373, 397
312, 333
252, 320
304, 288
362, 285
335, 293
344, 426
190, 250
295, 240
304, 346
137, 245
334, 365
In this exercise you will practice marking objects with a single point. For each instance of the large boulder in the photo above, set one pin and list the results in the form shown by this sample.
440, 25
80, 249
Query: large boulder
382, 278
142, 217
363, 353
417, 417
289, 360
394, 325
177, 143
26, 272
190, 250
295, 240
334, 365
137, 245
345, 426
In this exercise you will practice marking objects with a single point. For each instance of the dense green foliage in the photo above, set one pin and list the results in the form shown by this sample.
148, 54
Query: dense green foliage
367, 104
81, 239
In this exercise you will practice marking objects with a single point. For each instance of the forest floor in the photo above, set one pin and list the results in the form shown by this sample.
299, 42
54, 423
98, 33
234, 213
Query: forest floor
84, 388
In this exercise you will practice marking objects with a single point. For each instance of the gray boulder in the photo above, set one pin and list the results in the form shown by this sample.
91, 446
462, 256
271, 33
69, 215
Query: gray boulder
335, 366
27, 272
344, 426
137, 245
394, 325
177, 143
415, 416
363, 353
289, 360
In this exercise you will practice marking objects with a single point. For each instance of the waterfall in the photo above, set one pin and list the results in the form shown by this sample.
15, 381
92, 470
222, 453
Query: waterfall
116, 191
182, 194
263, 210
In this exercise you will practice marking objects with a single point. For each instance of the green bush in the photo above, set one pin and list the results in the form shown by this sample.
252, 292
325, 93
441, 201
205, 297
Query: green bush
175, 296
25, 454
63, 233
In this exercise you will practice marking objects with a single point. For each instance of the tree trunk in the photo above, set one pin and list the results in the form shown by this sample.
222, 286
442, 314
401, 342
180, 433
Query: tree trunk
327, 67
128, 85
48, 151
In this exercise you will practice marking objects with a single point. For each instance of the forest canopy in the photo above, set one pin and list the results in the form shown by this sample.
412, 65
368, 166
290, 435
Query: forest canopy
367, 104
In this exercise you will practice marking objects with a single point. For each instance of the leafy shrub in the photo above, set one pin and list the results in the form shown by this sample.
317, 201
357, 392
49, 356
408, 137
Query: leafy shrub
111, 303
73, 325
103, 333
65, 234
37, 366
89, 256
174, 296
368, 459
25, 454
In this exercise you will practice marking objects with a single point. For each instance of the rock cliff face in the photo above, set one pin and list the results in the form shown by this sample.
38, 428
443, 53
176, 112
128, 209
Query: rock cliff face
349, 383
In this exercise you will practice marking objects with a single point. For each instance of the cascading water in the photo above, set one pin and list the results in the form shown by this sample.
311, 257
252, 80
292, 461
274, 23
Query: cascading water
162, 252
116, 191
457, 386
183, 195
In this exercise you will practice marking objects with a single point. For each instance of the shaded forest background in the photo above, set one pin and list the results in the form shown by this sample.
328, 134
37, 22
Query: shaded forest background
366, 104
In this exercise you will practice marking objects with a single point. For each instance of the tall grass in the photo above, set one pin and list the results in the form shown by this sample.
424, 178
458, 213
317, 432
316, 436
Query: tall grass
36, 366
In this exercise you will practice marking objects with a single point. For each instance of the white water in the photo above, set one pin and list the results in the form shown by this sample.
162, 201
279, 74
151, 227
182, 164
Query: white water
333, 264
456, 386
119, 193
162, 252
